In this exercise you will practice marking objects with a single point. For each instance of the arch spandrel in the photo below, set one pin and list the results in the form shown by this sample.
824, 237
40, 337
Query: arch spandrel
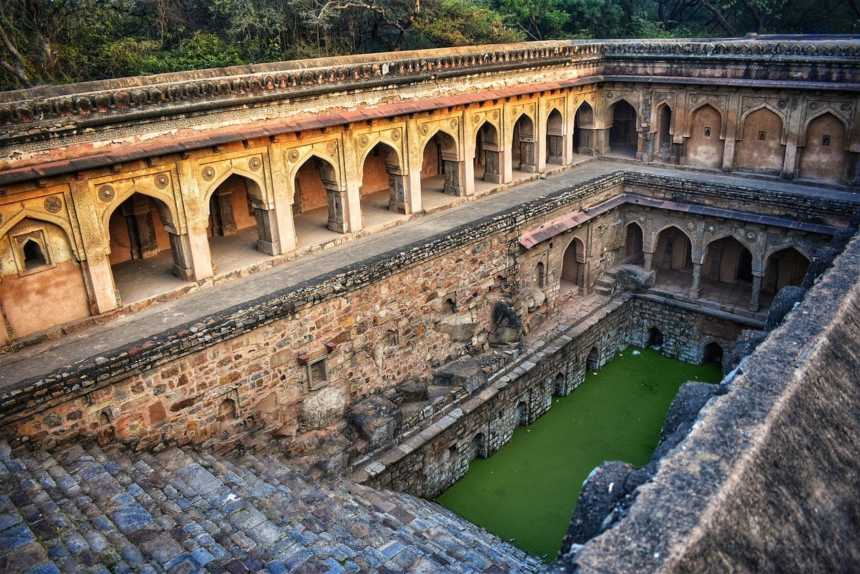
328, 151
757, 108
11, 218
253, 166
753, 241
513, 115
449, 126
821, 112
390, 136
475, 120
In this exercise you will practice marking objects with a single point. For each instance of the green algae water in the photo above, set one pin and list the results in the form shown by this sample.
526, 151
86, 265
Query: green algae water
526, 492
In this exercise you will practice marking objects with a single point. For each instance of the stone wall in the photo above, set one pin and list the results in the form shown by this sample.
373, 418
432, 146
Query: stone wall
289, 365
767, 479
428, 462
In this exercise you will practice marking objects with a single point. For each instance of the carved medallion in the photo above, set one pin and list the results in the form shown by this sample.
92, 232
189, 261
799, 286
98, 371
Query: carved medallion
293, 155
106, 193
162, 180
363, 139
423, 129
751, 235
53, 204
254, 163
395, 135
208, 173
711, 228
690, 225
453, 123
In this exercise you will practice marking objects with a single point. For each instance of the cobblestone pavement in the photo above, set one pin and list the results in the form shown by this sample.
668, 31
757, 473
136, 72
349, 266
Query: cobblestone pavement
82, 509
100, 339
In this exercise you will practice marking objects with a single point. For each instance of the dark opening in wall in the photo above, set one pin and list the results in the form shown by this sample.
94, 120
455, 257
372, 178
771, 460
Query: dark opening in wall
522, 414
227, 410
713, 353
593, 360
478, 446
558, 385
540, 275
34, 257
655, 337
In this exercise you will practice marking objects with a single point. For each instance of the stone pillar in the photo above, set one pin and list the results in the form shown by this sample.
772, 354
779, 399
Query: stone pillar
696, 288
140, 222
600, 141
527, 152
198, 248
398, 185
454, 175
268, 241
224, 198
648, 264
99, 277
756, 292
336, 200
493, 163
183, 266
732, 115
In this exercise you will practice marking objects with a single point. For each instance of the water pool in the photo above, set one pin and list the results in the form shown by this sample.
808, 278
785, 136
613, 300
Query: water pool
526, 492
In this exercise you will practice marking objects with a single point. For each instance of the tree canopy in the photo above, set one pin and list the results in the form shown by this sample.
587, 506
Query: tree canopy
54, 41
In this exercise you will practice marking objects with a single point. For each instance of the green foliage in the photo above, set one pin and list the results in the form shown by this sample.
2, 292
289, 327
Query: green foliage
462, 23
51, 41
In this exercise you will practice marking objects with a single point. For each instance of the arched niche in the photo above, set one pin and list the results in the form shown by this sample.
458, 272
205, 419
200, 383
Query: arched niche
663, 135
761, 147
573, 267
727, 271
523, 148
555, 137
583, 129
318, 202
704, 148
383, 184
784, 267
488, 155
41, 280
622, 133
441, 169
823, 156
634, 253
147, 256
673, 258
241, 228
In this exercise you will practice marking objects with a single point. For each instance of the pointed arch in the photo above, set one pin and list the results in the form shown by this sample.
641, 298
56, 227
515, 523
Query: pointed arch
664, 130
318, 200
383, 184
573, 264
784, 266
47, 218
761, 147
673, 257
555, 136
523, 143
487, 156
824, 155
623, 130
704, 145
728, 261
583, 126
441, 169
634, 247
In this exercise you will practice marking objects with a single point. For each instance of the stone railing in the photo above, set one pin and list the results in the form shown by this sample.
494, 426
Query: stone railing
52, 109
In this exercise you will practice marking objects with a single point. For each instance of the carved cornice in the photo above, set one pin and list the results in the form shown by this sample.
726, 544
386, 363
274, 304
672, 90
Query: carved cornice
54, 110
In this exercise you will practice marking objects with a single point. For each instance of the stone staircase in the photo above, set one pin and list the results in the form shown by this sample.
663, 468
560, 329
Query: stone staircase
82, 509
605, 284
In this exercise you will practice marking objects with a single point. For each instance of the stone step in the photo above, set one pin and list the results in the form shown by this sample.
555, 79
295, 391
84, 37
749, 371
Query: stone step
78, 508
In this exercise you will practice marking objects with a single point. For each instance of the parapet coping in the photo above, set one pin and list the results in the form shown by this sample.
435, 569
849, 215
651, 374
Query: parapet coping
87, 375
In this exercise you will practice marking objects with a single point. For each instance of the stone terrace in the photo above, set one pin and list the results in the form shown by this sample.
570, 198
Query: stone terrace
81, 509
100, 344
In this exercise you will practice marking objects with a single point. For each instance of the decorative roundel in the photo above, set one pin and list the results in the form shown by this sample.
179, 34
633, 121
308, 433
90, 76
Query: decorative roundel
106, 193
423, 129
363, 139
53, 204
293, 155
162, 180
495, 114
208, 172
453, 123
395, 135
254, 163
751, 235
691, 225
711, 228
